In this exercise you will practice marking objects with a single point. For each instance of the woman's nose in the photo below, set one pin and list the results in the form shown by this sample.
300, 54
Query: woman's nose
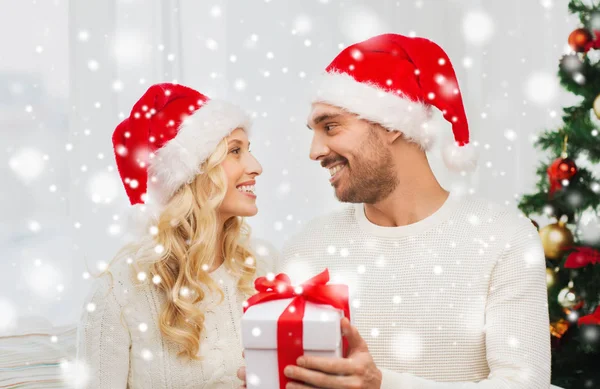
254, 167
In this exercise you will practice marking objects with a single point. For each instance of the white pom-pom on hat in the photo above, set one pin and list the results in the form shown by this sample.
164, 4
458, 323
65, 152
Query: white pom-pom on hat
460, 158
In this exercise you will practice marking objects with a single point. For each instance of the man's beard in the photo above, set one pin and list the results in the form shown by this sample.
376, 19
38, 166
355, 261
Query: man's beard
371, 178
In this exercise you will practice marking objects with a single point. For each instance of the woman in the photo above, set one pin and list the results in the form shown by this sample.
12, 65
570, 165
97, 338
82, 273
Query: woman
166, 313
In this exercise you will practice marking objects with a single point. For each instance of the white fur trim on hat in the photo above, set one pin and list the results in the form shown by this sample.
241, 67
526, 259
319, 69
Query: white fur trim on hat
395, 112
179, 160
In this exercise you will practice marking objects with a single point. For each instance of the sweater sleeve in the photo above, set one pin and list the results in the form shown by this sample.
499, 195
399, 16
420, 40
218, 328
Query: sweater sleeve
103, 340
516, 322
267, 257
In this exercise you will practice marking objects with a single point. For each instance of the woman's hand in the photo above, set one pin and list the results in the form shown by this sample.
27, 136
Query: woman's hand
241, 373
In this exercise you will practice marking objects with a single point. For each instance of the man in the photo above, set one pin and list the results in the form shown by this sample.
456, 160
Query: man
448, 291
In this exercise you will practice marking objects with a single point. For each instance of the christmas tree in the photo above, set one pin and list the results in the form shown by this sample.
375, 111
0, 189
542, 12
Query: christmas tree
571, 194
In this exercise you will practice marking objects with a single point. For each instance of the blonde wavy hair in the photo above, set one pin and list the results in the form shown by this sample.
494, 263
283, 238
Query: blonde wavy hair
188, 232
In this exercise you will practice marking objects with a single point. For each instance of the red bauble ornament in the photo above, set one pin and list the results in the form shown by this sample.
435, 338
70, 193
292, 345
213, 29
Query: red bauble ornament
561, 169
580, 39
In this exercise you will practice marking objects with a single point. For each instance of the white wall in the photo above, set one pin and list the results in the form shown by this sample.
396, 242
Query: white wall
96, 57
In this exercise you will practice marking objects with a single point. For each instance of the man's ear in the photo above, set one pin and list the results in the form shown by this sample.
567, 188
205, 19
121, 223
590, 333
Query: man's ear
391, 136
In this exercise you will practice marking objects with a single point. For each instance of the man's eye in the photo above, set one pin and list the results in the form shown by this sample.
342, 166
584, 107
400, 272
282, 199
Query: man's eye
329, 127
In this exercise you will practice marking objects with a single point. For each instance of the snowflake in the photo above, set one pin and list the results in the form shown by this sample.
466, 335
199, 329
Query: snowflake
103, 187
406, 346
147, 355
75, 373
510, 134
360, 22
478, 27
83, 36
27, 164
211, 44
8, 315
239, 84
130, 47
253, 380
302, 25
93, 65
514, 342
215, 11
541, 88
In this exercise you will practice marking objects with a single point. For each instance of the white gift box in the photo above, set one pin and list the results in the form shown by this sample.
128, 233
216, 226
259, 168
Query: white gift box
321, 335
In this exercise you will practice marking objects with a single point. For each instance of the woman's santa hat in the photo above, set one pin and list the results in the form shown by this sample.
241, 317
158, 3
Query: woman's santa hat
170, 132
393, 80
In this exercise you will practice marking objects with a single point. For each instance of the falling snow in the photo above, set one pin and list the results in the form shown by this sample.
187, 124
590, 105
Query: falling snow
71, 172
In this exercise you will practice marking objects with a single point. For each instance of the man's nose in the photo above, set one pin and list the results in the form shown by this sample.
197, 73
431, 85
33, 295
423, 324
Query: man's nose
318, 148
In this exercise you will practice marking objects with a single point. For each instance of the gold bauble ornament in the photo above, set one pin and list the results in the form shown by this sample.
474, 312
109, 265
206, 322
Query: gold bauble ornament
550, 277
556, 238
596, 106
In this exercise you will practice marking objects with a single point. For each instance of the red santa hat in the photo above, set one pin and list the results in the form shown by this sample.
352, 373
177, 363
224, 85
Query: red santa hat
170, 132
393, 80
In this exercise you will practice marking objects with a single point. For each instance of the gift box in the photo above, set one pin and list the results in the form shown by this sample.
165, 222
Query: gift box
282, 322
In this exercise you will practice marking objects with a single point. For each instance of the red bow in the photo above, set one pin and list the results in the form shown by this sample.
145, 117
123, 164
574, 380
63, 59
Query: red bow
582, 256
289, 324
594, 43
593, 319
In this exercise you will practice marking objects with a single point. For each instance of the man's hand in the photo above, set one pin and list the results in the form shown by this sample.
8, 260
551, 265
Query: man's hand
356, 371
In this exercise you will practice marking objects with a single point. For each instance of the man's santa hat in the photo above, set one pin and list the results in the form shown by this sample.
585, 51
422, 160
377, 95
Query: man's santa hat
170, 132
393, 80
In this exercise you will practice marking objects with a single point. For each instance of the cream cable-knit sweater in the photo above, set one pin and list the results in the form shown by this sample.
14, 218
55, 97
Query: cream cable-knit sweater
133, 354
456, 300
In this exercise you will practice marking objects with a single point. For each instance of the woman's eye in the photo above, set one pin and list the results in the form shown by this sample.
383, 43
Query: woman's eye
235, 151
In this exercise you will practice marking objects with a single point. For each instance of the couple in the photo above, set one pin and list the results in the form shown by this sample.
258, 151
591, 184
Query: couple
447, 292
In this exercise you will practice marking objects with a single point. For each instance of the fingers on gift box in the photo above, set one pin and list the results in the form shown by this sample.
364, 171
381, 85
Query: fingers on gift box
281, 323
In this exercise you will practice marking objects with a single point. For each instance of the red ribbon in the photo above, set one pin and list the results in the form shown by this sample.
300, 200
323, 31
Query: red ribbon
582, 256
289, 324
593, 319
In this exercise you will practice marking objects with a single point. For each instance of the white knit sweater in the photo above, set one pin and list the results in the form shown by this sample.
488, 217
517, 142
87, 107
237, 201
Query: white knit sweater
133, 354
456, 300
